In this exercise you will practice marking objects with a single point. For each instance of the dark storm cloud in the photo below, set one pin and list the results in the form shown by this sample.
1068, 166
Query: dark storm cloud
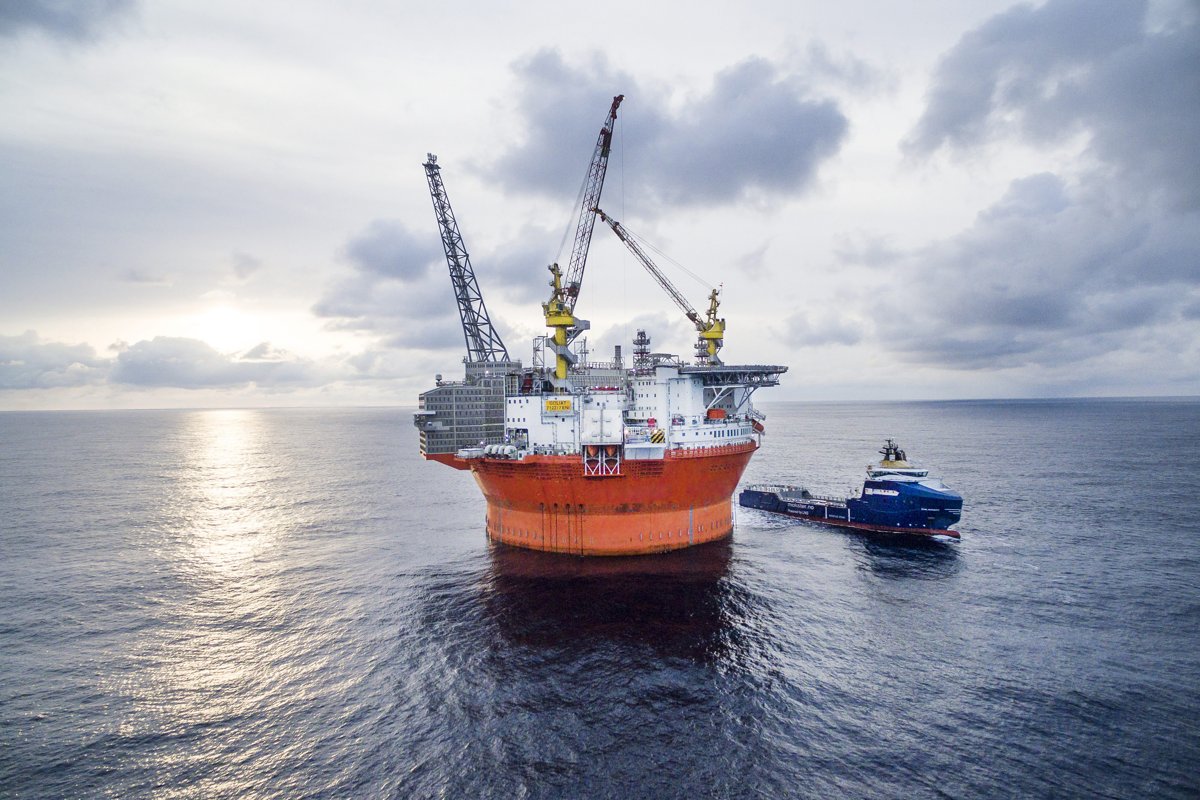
74, 20
756, 131
28, 362
1071, 66
193, 364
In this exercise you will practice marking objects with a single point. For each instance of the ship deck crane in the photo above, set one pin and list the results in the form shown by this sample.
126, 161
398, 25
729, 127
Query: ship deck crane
710, 327
483, 342
560, 308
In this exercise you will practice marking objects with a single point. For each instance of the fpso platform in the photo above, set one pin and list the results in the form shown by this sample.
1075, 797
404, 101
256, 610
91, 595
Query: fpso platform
646, 463
592, 458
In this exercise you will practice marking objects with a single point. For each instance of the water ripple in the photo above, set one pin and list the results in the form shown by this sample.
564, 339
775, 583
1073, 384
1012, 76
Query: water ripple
292, 604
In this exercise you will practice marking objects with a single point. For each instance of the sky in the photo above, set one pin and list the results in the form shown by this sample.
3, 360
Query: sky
223, 204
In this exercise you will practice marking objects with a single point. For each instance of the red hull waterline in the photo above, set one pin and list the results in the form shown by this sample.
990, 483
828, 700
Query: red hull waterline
652, 506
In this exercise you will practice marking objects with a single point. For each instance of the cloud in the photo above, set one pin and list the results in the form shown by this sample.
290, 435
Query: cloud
192, 364
753, 264
29, 362
669, 333
1049, 275
365, 302
867, 249
1023, 56
517, 267
757, 131
264, 351
391, 279
72, 20
245, 265
1064, 271
443, 333
822, 327
144, 277
393, 295
1048, 73
387, 248
1032, 197
819, 61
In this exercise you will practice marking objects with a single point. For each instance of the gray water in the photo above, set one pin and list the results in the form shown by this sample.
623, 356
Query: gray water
291, 603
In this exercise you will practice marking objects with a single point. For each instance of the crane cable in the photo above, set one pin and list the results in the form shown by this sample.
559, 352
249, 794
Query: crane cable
627, 255
572, 223
644, 243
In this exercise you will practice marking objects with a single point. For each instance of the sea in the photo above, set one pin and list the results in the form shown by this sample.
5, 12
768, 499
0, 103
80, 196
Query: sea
290, 603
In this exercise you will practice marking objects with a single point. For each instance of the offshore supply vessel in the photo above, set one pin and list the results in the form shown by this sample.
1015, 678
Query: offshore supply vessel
897, 497
592, 457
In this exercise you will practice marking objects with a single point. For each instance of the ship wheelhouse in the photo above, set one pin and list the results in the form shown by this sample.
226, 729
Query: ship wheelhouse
896, 473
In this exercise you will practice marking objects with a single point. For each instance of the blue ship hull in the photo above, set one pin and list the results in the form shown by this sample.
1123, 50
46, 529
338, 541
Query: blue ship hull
885, 506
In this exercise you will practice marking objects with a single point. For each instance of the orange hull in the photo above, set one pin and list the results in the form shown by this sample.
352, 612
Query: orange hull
546, 502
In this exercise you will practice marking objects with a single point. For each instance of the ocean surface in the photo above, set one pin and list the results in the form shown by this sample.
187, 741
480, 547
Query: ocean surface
290, 603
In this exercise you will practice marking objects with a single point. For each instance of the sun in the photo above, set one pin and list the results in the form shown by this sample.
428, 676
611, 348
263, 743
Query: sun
227, 328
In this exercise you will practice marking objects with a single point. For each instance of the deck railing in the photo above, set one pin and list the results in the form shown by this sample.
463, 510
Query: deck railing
718, 450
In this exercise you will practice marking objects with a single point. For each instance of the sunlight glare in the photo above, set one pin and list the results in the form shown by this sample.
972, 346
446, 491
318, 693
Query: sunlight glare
229, 467
227, 328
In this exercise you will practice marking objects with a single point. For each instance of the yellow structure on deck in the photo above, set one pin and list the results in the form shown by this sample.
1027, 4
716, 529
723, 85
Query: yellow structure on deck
560, 308
560, 318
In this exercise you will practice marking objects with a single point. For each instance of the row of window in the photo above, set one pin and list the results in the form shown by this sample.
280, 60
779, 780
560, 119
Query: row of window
450, 406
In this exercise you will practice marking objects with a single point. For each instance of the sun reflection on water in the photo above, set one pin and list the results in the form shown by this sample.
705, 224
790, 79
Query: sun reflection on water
228, 473
229, 656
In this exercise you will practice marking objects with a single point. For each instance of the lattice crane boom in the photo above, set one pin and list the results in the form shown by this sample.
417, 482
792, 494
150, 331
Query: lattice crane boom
710, 328
560, 308
652, 268
483, 342
593, 185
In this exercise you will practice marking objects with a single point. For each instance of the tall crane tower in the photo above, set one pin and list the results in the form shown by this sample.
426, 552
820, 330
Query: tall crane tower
483, 342
560, 308
710, 327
